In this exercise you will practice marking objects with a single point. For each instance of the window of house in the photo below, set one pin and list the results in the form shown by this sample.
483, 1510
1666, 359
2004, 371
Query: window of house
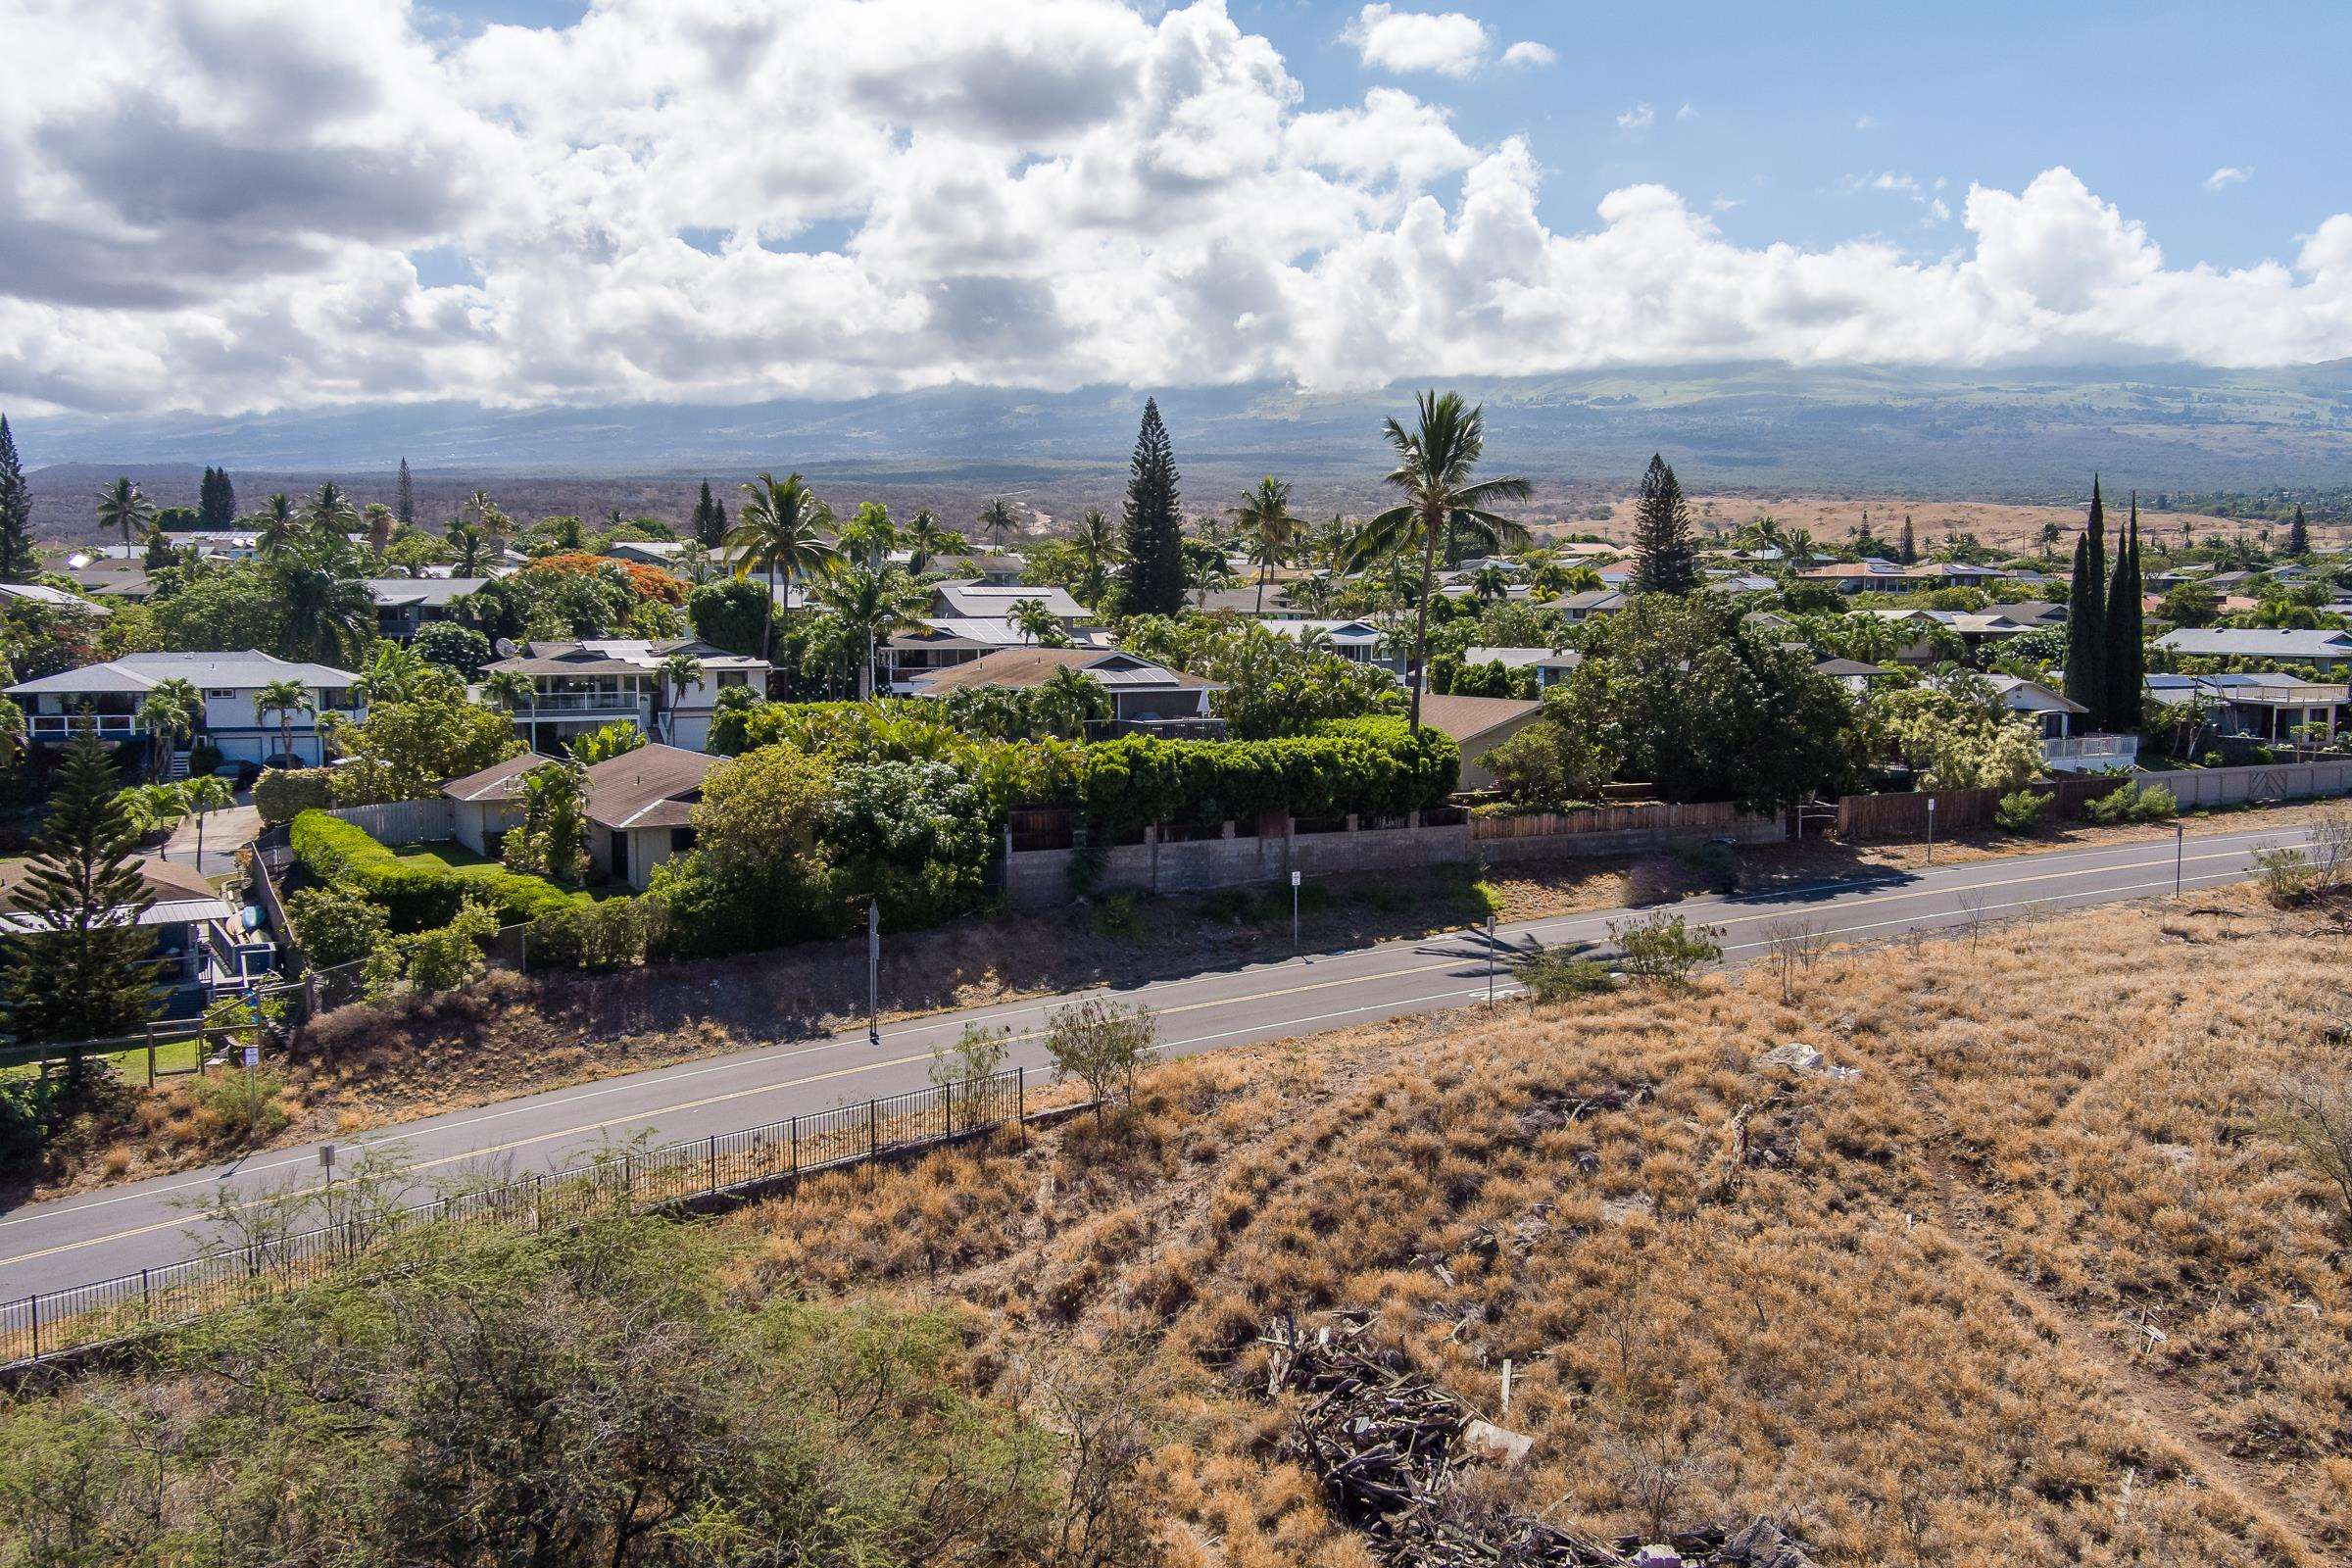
734, 677
220, 691
681, 839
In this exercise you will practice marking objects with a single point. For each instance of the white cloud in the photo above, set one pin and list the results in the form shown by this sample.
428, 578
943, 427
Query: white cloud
1446, 42
1638, 117
2226, 176
1527, 52
218, 212
1685, 112
1866, 123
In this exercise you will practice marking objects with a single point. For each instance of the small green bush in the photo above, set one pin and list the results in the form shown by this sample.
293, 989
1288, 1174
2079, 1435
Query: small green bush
231, 1111
1665, 947
2022, 812
613, 934
2133, 803
1560, 975
203, 758
1118, 918
415, 896
281, 795
333, 925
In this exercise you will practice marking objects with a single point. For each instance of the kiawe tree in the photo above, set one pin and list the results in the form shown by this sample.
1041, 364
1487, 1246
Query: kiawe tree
82, 968
1665, 558
1153, 528
2086, 615
15, 511
2126, 656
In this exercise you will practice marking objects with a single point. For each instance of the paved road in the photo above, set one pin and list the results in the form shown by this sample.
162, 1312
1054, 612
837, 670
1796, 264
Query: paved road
119, 1230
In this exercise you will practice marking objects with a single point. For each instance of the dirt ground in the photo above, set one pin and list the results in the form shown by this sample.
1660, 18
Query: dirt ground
367, 1066
1832, 519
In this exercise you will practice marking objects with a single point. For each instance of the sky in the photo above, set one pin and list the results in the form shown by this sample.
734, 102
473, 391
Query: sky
229, 206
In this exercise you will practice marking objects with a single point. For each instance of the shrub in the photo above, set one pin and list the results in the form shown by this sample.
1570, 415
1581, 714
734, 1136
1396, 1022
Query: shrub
332, 925
2285, 876
611, 934
1375, 767
1549, 763
229, 1111
1103, 1043
281, 795
416, 896
1665, 947
1559, 974
1118, 920
2022, 812
203, 758
2132, 803
447, 958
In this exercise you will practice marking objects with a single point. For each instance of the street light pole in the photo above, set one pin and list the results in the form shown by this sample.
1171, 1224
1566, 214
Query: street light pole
1293, 914
1490, 956
873, 972
2180, 839
1931, 830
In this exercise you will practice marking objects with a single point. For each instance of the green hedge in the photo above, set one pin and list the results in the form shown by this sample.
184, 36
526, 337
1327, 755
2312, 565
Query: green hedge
415, 896
281, 795
1373, 766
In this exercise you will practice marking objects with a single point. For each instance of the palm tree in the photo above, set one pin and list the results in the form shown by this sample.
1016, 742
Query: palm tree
329, 612
377, 518
863, 608
1098, 548
121, 506
997, 518
1065, 701
495, 526
925, 538
1491, 582
279, 523
285, 699
1434, 465
169, 712
678, 672
869, 536
1328, 543
1267, 528
331, 510
1032, 619
515, 692
777, 530
471, 548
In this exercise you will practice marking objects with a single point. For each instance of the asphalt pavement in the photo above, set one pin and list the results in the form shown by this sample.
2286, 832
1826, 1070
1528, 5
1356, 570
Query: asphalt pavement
119, 1230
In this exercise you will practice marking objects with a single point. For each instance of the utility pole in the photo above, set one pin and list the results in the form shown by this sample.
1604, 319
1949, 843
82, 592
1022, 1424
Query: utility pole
1293, 914
1931, 830
2180, 840
873, 972
1491, 957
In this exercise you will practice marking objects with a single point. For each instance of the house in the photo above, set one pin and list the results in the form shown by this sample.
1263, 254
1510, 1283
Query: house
583, 686
2323, 650
1953, 574
1244, 602
986, 601
201, 947
943, 644
228, 687
2053, 714
1552, 665
1478, 724
1586, 605
2033, 614
640, 806
112, 580
1359, 642
1974, 629
42, 596
1867, 576
1140, 692
2260, 704
1854, 675
406, 604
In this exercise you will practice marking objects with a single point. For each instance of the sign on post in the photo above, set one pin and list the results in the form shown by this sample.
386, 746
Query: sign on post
253, 1056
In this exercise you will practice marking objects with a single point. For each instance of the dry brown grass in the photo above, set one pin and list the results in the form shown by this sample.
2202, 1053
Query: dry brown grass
1904, 1311
1831, 520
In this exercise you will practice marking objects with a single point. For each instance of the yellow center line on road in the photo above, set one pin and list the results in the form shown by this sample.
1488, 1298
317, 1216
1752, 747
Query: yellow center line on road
1871, 900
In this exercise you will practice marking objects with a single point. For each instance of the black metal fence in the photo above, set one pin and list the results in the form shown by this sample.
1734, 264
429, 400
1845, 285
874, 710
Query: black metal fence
51, 1324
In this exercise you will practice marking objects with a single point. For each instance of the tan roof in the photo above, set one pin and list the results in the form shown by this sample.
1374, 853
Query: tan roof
168, 881
495, 782
1034, 666
635, 788
1466, 718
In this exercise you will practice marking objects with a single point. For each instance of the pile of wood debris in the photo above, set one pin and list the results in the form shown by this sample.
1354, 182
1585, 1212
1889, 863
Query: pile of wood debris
1385, 1443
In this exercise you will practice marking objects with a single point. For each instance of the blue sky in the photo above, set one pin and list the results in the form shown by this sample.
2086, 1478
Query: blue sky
235, 205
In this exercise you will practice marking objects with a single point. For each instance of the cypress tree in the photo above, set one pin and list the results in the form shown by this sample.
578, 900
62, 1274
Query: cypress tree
2126, 658
1665, 560
404, 497
15, 511
2087, 615
215, 501
1153, 529
2298, 535
710, 520
87, 970
1910, 551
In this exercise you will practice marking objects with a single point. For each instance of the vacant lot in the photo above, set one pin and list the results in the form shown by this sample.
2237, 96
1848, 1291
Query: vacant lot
2036, 1284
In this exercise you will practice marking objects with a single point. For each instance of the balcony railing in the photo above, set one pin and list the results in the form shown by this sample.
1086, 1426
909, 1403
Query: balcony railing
581, 703
2098, 750
63, 725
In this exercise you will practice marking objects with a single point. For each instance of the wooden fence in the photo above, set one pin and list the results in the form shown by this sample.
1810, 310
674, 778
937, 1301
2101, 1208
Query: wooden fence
1862, 817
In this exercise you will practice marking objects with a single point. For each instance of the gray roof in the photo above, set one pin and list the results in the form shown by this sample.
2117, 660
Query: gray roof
1523, 658
434, 591
249, 670
972, 601
2234, 643
55, 597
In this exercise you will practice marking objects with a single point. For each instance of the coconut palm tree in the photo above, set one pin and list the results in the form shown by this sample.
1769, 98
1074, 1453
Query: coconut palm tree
926, 539
997, 518
869, 536
1032, 619
1267, 528
1489, 583
515, 692
1097, 549
678, 672
778, 528
121, 506
377, 517
329, 612
329, 509
495, 526
1065, 701
278, 524
1435, 461
471, 548
168, 712
862, 609
285, 699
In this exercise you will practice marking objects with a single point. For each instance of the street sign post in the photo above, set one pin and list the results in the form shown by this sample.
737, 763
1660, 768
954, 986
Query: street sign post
873, 971
1931, 830
1293, 914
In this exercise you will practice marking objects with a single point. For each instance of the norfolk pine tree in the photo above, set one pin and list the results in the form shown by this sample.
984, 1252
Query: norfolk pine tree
2299, 536
1665, 560
15, 511
1153, 526
87, 969
404, 497
2087, 615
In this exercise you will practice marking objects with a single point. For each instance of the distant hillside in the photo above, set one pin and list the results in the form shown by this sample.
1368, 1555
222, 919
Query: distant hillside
2015, 436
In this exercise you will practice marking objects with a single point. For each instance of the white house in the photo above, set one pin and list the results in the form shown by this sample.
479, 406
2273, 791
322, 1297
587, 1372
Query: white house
583, 686
404, 605
938, 644
2322, 650
2053, 714
227, 686
1359, 642
1552, 665
993, 601
2263, 705
1141, 691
